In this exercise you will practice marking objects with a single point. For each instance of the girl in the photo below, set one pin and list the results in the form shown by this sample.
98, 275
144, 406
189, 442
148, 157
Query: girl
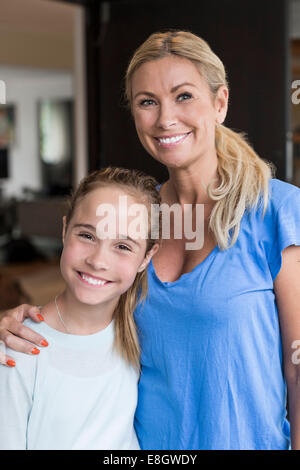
81, 392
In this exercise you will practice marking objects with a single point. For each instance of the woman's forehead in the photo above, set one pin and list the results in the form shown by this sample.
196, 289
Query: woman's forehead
167, 70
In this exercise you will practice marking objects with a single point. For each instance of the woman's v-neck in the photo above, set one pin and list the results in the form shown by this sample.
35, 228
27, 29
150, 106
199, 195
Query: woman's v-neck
196, 268
183, 276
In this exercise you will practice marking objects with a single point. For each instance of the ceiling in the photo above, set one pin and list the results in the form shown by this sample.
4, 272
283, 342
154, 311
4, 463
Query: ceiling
37, 33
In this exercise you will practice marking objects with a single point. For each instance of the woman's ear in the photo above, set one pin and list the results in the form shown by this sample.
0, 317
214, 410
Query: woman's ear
221, 104
64, 228
148, 257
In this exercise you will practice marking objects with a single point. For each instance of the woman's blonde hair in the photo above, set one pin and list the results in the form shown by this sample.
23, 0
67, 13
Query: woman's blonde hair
244, 176
143, 188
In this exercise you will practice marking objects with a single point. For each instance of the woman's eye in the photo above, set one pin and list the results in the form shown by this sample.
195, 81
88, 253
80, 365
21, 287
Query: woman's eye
184, 96
147, 102
86, 236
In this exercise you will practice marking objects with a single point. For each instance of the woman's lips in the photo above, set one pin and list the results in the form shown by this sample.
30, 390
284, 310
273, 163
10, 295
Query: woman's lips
172, 140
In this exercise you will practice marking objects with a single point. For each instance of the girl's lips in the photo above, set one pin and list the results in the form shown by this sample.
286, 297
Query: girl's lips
92, 281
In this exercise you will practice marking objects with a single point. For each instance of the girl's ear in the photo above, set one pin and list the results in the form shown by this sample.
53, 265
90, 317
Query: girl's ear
64, 228
148, 257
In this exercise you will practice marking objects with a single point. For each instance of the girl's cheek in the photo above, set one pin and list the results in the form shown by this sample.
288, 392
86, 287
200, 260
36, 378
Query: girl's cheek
73, 251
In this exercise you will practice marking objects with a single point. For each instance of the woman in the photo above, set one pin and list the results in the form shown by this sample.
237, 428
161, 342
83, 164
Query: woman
210, 337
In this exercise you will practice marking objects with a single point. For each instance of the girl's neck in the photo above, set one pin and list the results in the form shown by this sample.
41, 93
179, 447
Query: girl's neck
74, 317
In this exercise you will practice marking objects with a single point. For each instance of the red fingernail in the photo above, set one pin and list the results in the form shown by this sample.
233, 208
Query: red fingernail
44, 342
35, 351
40, 317
10, 363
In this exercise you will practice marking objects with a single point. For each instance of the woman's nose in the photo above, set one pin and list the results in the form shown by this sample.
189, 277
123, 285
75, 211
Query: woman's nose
166, 117
97, 259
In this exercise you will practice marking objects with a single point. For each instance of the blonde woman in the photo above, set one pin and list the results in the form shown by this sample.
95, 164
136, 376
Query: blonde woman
218, 328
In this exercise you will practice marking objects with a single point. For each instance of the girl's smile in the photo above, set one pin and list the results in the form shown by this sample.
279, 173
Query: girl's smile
93, 280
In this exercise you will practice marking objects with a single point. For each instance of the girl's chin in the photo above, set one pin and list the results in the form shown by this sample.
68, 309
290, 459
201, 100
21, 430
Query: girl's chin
88, 299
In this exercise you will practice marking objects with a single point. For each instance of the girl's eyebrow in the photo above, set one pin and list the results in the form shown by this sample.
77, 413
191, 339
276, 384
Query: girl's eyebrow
126, 237
120, 237
87, 226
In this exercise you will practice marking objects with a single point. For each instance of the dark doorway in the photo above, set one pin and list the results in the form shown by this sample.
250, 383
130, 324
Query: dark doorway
251, 38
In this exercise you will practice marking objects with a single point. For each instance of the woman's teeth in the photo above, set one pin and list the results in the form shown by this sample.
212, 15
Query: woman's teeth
171, 140
93, 281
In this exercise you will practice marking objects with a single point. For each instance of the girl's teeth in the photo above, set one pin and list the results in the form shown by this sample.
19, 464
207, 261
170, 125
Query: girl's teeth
94, 282
170, 140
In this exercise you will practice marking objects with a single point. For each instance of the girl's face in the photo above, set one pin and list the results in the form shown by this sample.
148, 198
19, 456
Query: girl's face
100, 270
174, 112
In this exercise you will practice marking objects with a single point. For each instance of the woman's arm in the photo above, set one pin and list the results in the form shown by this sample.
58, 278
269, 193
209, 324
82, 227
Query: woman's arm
287, 292
17, 336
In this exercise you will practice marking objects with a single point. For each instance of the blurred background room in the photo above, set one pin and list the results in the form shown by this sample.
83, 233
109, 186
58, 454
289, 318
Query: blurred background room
62, 111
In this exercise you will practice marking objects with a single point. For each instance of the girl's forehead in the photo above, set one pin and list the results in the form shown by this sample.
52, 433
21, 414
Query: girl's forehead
107, 194
100, 200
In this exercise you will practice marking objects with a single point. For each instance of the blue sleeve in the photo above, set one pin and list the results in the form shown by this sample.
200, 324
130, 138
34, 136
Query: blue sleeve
16, 398
286, 229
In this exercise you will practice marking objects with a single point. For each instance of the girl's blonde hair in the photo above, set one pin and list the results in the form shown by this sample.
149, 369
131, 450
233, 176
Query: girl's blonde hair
244, 176
143, 188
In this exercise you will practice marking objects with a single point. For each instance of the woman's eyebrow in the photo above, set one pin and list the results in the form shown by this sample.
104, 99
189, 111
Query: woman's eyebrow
173, 89
144, 93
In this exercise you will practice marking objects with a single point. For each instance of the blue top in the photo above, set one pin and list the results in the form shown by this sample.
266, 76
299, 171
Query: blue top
211, 349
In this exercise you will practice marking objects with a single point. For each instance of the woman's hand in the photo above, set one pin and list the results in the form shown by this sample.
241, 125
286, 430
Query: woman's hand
17, 336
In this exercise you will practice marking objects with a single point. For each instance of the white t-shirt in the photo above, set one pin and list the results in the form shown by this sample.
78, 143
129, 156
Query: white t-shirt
78, 393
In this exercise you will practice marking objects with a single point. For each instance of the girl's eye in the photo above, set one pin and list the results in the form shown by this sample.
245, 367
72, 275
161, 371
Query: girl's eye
86, 236
184, 96
123, 247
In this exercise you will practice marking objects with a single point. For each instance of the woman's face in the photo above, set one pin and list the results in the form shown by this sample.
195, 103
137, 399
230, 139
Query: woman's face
174, 112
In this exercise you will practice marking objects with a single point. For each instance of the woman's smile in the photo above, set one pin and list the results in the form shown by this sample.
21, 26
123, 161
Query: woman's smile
173, 140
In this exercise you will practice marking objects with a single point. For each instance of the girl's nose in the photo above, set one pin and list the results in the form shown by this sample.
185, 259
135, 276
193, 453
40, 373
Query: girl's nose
97, 259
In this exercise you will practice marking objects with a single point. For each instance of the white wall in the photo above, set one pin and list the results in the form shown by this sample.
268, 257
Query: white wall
24, 88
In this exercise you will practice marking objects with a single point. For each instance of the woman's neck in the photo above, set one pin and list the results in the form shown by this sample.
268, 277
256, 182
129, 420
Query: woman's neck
189, 185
